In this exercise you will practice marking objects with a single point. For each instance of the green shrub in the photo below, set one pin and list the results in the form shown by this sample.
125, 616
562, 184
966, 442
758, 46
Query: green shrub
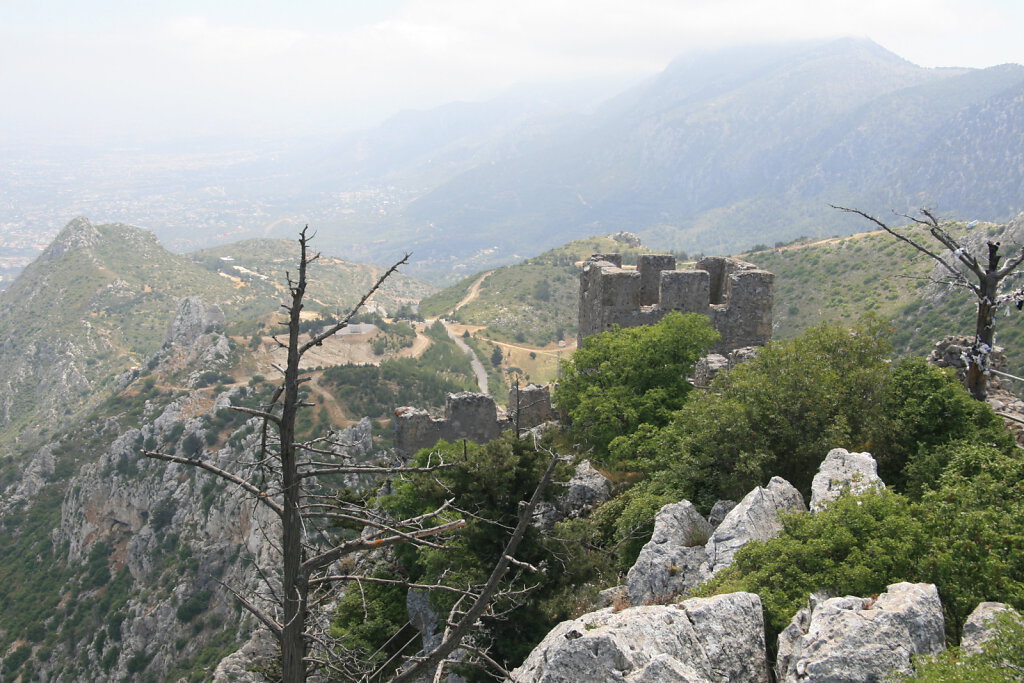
857, 546
925, 408
1001, 659
193, 606
965, 536
622, 379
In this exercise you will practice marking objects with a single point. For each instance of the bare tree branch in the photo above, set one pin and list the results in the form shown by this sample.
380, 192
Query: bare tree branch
456, 635
258, 413
266, 619
924, 250
334, 329
260, 495
323, 559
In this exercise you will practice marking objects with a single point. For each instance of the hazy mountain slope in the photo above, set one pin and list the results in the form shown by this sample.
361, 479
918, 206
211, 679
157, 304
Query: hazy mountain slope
96, 302
835, 280
727, 148
839, 280
110, 563
99, 300
258, 270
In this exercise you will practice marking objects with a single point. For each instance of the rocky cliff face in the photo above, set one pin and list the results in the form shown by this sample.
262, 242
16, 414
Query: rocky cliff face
167, 535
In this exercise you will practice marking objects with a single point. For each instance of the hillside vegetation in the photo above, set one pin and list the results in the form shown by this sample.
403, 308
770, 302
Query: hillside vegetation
833, 280
535, 301
840, 279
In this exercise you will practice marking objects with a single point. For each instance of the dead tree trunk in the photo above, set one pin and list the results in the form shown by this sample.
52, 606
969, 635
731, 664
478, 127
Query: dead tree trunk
293, 494
965, 270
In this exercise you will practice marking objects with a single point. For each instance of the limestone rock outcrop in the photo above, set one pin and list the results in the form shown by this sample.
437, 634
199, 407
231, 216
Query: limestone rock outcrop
701, 640
674, 560
980, 625
587, 489
843, 471
719, 510
861, 639
194, 318
685, 549
755, 518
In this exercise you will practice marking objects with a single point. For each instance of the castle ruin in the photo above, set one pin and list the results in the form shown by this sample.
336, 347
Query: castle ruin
472, 416
736, 296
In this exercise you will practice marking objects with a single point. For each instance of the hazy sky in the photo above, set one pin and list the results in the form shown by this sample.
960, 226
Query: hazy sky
110, 69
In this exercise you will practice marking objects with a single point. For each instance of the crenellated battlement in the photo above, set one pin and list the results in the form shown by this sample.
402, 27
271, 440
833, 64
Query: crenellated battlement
736, 296
471, 416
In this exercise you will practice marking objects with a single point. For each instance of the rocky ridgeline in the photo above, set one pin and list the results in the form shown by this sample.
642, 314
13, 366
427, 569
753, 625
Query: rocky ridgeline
136, 507
177, 532
721, 639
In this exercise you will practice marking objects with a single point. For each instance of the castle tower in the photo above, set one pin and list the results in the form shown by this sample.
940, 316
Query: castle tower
736, 296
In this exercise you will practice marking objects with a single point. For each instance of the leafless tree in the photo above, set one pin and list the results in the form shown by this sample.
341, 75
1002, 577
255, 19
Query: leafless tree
309, 548
981, 275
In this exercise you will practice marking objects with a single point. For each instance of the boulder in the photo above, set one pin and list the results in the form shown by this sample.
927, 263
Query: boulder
755, 518
587, 489
698, 641
718, 512
674, 560
861, 639
980, 625
843, 471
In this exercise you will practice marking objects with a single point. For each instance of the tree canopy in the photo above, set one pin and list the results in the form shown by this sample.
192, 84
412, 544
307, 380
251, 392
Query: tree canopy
625, 378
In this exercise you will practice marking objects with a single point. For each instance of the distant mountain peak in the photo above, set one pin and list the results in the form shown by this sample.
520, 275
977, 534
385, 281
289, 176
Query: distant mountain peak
77, 234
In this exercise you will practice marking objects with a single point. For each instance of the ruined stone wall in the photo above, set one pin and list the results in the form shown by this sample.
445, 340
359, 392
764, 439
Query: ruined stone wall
531, 405
736, 296
470, 416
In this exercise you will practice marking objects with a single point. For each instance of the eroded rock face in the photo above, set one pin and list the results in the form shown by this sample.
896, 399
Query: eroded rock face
861, 639
980, 625
686, 549
674, 560
844, 471
238, 666
717, 639
194, 318
719, 510
587, 489
755, 518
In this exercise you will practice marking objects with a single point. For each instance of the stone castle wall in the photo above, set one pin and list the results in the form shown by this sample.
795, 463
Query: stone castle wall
471, 416
736, 296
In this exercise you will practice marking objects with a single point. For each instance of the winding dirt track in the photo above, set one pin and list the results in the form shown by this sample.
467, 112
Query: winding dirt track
473, 293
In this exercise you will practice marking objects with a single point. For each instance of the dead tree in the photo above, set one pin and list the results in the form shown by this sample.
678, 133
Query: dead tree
982, 276
287, 480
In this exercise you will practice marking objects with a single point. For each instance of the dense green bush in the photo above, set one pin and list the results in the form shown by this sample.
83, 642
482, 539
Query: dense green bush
622, 379
1000, 661
857, 546
369, 616
965, 536
924, 408
489, 481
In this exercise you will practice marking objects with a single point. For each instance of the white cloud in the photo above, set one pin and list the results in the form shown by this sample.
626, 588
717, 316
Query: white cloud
204, 72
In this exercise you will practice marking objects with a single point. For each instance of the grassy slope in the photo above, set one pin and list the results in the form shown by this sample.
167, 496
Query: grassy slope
839, 280
833, 280
508, 303
258, 269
